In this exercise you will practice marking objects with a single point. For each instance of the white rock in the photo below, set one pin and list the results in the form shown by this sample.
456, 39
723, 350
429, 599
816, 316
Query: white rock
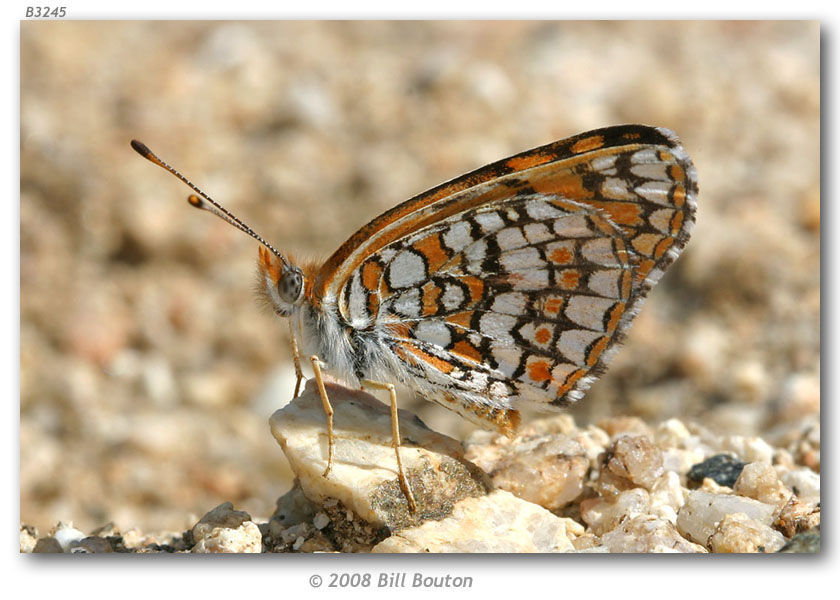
739, 533
680, 460
647, 533
671, 433
549, 470
667, 496
66, 535
804, 482
224, 530
702, 511
634, 459
748, 449
364, 468
603, 515
28, 538
761, 482
498, 523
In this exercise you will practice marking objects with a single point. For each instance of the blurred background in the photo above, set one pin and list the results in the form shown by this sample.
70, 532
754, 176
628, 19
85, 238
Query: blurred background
147, 369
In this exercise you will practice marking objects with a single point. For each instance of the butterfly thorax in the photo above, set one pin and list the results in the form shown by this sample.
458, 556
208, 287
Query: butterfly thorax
288, 290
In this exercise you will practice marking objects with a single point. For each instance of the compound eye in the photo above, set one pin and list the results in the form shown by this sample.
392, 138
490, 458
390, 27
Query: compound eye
290, 286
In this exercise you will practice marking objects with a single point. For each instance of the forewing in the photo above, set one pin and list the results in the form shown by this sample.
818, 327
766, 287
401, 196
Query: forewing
639, 176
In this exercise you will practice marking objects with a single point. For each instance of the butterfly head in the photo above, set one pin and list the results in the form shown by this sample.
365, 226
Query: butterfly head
280, 282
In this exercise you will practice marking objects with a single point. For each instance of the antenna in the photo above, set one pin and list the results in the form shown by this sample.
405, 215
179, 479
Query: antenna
201, 202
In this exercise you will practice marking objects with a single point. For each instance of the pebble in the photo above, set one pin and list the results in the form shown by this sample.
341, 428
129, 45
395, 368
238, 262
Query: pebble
604, 514
67, 536
28, 538
225, 530
647, 533
798, 516
667, 496
807, 542
549, 470
698, 519
722, 468
749, 449
498, 523
736, 532
320, 521
761, 482
804, 483
631, 461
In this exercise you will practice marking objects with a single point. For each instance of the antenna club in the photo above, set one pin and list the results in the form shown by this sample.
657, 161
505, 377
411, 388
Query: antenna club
141, 148
195, 201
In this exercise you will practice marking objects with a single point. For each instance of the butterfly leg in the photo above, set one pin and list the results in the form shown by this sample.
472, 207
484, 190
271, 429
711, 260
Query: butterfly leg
395, 433
295, 359
328, 410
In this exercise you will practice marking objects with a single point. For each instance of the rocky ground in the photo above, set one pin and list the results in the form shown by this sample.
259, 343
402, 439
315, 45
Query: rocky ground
620, 486
148, 373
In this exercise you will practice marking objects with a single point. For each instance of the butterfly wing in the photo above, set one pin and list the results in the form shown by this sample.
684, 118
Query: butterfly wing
512, 283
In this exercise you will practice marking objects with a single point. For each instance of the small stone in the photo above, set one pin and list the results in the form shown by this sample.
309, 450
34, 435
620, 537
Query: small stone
486, 448
93, 545
497, 523
224, 530
631, 461
588, 542
723, 469
223, 516
290, 535
711, 486
67, 536
603, 515
292, 508
760, 481
667, 496
320, 521
47, 545
548, 470
594, 441
317, 542
807, 542
680, 460
749, 449
798, 516
363, 475
349, 534
647, 533
807, 449
107, 530
738, 533
623, 425
133, 539
698, 518
672, 433
28, 538
804, 483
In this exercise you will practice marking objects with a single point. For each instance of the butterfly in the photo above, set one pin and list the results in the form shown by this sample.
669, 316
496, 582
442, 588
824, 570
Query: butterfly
509, 286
